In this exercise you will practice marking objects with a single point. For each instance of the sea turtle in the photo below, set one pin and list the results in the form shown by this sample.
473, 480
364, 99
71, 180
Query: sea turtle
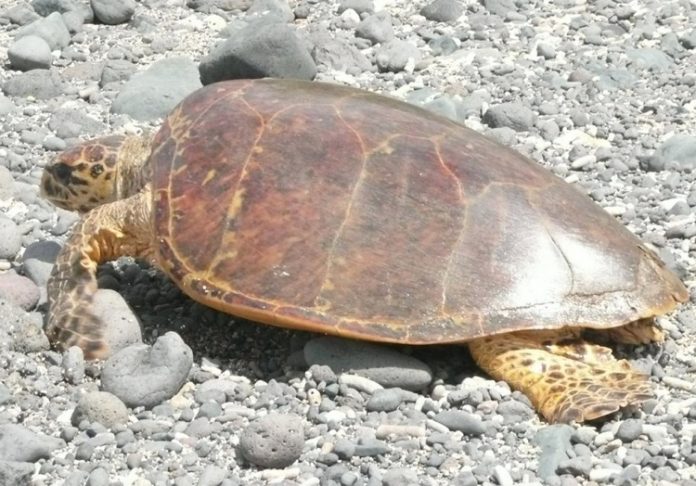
330, 209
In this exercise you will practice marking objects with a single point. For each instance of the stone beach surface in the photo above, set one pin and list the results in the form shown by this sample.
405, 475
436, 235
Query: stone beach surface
602, 93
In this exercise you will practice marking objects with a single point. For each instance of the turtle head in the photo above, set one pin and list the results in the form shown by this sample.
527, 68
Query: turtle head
92, 173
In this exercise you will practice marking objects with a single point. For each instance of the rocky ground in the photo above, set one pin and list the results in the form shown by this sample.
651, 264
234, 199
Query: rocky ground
603, 93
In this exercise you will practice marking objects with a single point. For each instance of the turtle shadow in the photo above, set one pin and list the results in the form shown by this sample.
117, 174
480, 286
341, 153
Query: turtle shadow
246, 348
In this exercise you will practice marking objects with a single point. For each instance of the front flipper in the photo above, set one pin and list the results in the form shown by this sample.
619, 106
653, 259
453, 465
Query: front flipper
105, 233
563, 387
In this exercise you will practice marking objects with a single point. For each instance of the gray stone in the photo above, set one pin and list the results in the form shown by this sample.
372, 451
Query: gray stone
339, 55
500, 7
649, 58
28, 335
98, 477
73, 123
10, 239
396, 54
442, 45
615, 78
6, 183
116, 70
554, 442
381, 364
113, 12
443, 10
688, 40
513, 115
52, 29
259, 50
141, 375
514, 411
39, 83
19, 290
73, 365
677, 153
16, 473
20, 14
30, 52
18, 443
360, 6
576, 466
273, 441
212, 476
120, 326
400, 477
6, 106
547, 51
38, 261
47, 7
101, 407
275, 8
73, 21
211, 6
388, 399
464, 422
629, 430
154, 92
376, 28
21, 330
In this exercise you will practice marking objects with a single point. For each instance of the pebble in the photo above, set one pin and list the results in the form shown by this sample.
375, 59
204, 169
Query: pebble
554, 442
142, 375
13, 472
629, 430
30, 52
37, 83
259, 50
397, 55
10, 239
377, 28
38, 261
467, 423
18, 443
153, 93
119, 325
381, 364
443, 10
388, 400
101, 407
677, 153
19, 290
511, 115
113, 12
51, 29
359, 6
273, 441
73, 365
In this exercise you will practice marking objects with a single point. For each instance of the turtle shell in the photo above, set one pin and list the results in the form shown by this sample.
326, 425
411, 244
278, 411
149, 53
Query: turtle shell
326, 208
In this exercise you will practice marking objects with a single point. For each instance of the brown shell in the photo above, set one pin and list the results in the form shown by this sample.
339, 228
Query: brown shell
319, 207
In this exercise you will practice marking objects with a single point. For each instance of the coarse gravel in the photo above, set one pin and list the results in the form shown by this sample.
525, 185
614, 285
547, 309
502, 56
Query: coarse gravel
602, 93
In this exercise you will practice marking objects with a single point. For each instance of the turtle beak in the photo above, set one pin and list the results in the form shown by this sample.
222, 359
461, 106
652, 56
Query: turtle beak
54, 184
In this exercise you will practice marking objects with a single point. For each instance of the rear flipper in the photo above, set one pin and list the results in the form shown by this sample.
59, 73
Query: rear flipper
574, 381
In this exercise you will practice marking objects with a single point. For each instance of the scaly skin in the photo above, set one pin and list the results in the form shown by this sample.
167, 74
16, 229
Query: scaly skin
115, 198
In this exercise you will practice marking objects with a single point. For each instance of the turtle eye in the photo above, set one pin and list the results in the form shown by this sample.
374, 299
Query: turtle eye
96, 170
63, 173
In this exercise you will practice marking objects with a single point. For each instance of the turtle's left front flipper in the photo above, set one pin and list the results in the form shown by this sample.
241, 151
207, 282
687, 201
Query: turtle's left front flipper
566, 382
103, 234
